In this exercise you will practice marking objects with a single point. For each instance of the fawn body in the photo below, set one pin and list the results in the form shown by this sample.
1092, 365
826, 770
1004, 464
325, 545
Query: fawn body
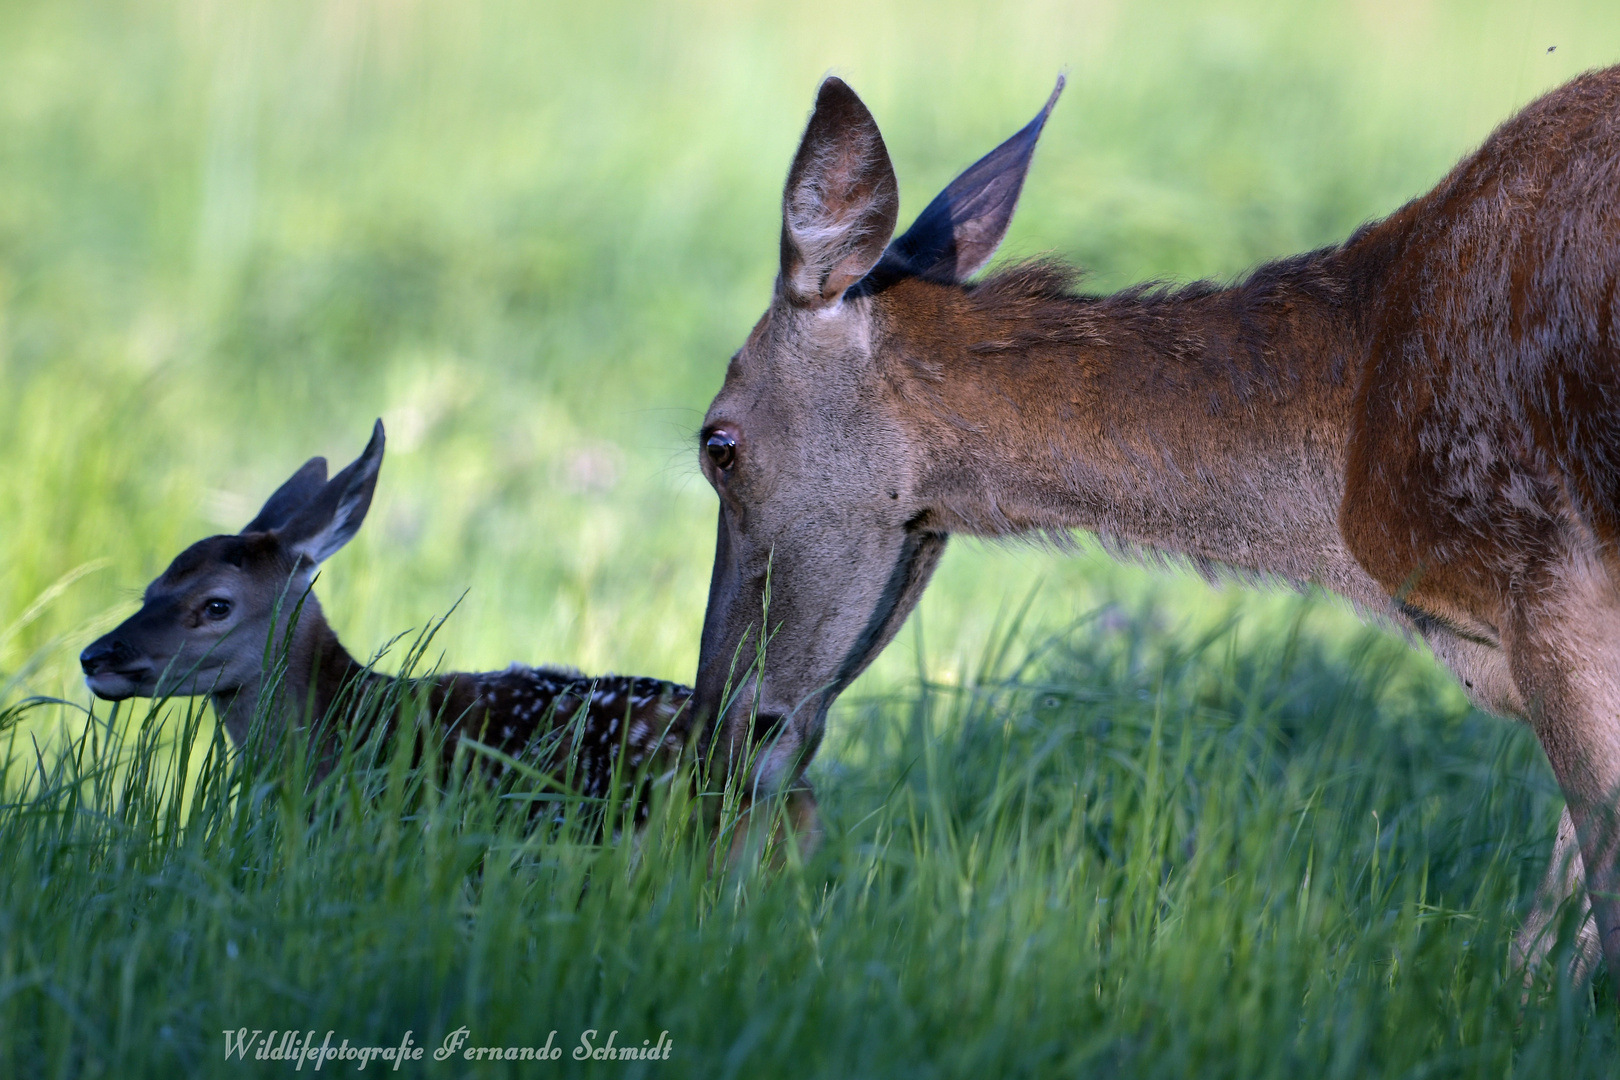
205, 622
1424, 419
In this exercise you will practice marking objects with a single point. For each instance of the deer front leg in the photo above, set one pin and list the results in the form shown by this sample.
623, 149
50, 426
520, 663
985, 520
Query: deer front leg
1486, 677
1564, 881
1564, 648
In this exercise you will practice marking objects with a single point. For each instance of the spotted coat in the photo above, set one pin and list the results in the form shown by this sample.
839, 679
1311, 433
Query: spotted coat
577, 729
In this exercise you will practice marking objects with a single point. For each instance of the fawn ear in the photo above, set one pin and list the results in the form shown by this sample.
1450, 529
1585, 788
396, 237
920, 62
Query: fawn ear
290, 497
958, 232
841, 202
330, 520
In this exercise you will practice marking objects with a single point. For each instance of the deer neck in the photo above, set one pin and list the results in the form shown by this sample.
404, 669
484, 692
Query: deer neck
1208, 423
317, 670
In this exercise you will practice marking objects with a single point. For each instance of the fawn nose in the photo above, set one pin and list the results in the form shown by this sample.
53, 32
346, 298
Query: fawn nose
107, 654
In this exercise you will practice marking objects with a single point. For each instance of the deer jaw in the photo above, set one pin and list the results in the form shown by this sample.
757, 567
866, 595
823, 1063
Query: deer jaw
823, 479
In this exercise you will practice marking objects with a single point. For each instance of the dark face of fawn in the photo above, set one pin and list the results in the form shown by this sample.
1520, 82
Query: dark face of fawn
206, 623
824, 519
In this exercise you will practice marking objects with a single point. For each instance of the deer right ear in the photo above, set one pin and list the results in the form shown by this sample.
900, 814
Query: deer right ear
331, 518
956, 234
841, 202
290, 497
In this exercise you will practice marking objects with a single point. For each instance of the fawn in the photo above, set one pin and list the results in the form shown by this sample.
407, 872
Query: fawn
1424, 419
205, 622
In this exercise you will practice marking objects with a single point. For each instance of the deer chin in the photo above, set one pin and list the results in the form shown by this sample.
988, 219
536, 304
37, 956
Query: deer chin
119, 685
154, 680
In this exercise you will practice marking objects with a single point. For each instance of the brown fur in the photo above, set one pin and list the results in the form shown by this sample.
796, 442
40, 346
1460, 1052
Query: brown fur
1424, 419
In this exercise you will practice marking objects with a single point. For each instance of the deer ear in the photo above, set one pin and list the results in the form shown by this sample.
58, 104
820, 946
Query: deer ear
331, 518
841, 202
958, 232
290, 497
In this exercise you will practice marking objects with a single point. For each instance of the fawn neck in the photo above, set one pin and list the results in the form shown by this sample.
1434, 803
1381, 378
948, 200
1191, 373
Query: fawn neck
1210, 423
318, 667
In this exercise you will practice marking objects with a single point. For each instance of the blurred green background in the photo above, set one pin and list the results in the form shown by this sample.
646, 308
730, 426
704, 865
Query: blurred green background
529, 235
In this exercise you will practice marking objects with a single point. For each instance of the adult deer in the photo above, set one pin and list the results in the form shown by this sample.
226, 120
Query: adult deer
1424, 419
216, 621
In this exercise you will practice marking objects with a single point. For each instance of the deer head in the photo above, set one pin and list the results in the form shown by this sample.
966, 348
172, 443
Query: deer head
208, 623
824, 510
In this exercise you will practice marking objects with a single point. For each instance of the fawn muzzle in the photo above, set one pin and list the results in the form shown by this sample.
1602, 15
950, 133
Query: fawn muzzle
150, 655
113, 669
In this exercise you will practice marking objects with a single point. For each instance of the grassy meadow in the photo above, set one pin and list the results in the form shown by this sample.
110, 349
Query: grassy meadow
1083, 819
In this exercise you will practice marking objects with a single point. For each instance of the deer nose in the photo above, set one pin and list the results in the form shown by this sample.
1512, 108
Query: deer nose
767, 726
104, 655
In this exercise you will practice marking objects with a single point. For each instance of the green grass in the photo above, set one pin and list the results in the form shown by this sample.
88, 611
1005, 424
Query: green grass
1206, 832
1124, 855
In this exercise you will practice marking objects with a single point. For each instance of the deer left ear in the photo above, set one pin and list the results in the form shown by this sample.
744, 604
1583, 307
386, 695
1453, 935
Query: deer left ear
958, 232
841, 201
331, 518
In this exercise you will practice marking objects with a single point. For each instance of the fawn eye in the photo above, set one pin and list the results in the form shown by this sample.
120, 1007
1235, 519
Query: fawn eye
217, 608
721, 446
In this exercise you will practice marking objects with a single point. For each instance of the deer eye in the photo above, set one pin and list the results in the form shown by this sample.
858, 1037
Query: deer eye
217, 608
721, 446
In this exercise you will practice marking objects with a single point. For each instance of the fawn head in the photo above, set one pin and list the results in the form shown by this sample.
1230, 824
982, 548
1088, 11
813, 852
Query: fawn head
824, 514
208, 623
